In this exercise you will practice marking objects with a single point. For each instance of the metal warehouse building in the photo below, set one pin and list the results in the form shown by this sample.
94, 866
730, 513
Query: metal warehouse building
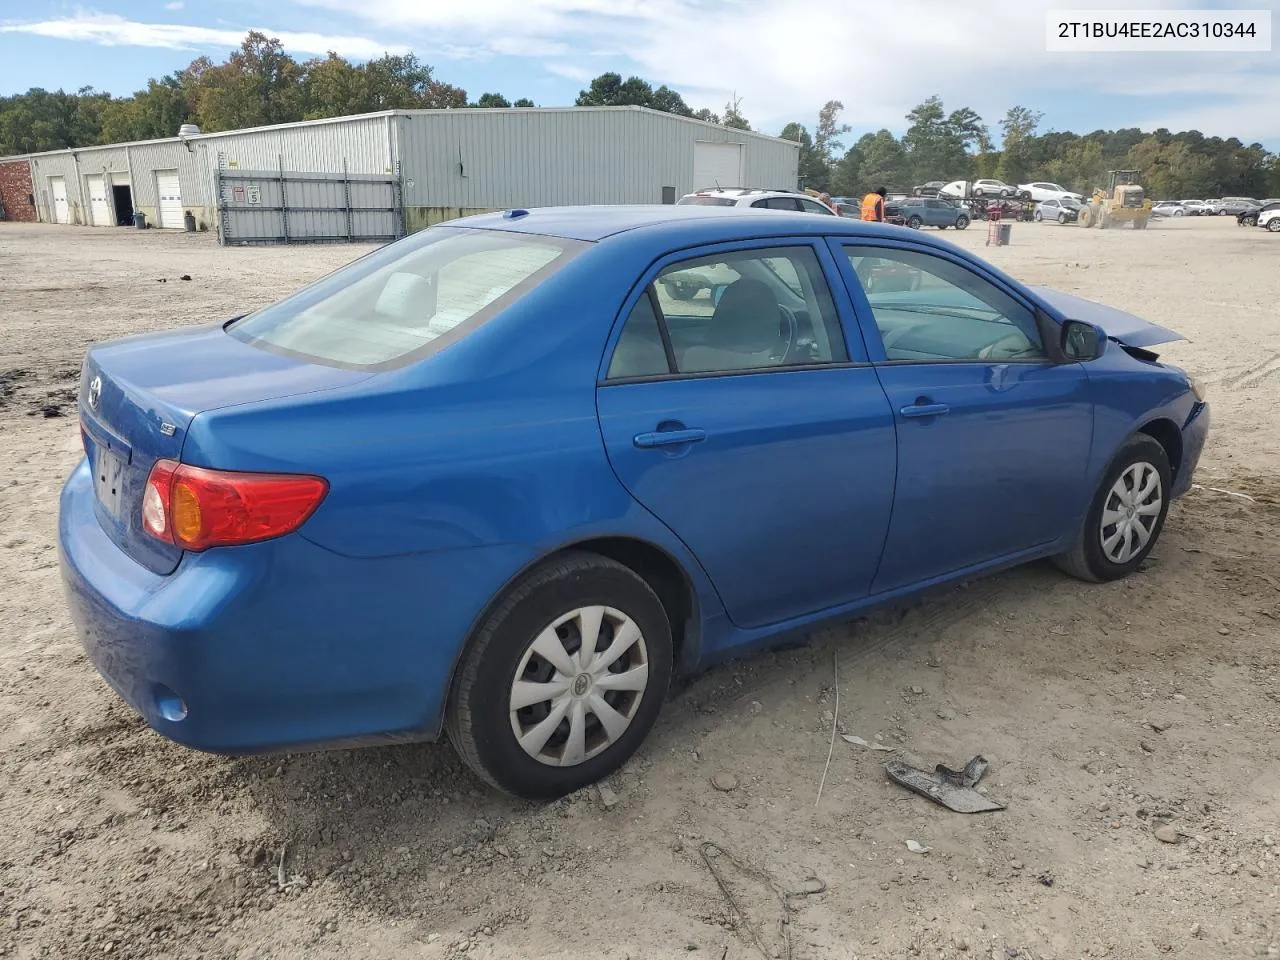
377, 176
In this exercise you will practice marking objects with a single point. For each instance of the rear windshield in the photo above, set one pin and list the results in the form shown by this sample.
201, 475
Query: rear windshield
399, 302
706, 201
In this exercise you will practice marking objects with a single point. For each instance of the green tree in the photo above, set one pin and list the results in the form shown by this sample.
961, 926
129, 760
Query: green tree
492, 100
884, 162
259, 85
1016, 150
812, 170
935, 143
826, 138
707, 115
335, 88
733, 117
524, 102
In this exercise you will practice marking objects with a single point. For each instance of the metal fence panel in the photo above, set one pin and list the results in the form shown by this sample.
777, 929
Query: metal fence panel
261, 207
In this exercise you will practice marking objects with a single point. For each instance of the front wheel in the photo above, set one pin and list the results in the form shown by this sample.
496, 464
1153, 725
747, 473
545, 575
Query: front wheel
563, 680
1273, 225
1126, 516
1062, 218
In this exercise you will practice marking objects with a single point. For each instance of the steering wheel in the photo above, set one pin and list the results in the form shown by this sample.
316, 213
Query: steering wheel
1014, 342
787, 334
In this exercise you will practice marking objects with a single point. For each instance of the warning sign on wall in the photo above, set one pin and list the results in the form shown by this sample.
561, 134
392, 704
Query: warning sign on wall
237, 194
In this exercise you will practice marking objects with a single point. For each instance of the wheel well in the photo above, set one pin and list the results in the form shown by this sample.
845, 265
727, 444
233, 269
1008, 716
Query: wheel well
661, 572
1167, 434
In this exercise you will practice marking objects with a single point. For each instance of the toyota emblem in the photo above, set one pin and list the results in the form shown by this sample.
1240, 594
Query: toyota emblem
95, 391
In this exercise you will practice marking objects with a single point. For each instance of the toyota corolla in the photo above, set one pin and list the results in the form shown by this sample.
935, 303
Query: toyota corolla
496, 481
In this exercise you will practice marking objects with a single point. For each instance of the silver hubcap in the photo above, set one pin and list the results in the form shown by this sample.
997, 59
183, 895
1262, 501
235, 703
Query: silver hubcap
1129, 516
578, 686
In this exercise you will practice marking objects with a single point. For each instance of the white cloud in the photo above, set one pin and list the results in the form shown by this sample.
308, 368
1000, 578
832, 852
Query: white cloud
787, 57
113, 31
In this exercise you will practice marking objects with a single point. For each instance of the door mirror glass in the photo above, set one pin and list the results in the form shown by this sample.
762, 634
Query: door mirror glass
1082, 341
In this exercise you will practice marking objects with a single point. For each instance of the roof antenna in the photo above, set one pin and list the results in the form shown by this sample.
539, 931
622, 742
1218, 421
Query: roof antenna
716, 181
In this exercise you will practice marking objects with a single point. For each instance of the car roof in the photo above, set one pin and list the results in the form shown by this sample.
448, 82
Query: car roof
691, 223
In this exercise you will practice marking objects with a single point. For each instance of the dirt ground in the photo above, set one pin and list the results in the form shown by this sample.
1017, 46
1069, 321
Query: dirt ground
1106, 712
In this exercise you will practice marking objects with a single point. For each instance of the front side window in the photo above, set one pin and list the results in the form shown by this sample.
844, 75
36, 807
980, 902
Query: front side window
928, 308
732, 312
401, 300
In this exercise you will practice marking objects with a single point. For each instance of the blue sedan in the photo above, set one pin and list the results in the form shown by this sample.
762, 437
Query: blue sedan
498, 481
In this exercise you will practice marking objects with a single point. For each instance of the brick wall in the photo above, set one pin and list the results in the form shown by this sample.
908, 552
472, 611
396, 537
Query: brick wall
15, 189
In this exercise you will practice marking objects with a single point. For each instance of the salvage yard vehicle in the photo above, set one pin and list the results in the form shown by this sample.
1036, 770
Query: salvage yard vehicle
757, 198
917, 212
1063, 211
494, 481
1269, 217
1041, 191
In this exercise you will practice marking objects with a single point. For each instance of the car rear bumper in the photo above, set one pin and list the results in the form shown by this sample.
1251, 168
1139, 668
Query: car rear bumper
270, 646
1194, 434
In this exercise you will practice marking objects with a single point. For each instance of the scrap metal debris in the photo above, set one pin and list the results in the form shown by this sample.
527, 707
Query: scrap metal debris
859, 742
953, 789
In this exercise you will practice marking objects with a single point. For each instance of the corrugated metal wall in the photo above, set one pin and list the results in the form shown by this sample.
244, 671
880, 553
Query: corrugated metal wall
504, 158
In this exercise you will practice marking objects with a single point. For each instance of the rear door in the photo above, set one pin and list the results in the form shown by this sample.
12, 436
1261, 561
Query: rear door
743, 418
993, 436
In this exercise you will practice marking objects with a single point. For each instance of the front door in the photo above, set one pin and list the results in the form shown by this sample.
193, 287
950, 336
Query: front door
733, 408
993, 436
61, 209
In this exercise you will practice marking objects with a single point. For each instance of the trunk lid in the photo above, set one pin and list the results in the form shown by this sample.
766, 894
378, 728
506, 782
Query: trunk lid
139, 395
1120, 326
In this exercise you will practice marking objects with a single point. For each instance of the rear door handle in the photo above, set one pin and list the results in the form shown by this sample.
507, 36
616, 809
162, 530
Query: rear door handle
668, 438
925, 410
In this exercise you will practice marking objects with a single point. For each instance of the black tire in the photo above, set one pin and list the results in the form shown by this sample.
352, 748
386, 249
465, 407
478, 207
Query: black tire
1038, 216
1086, 559
1062, 218
1004, 194
962, 223
942, 226
1273, 225
914, 222
477, 719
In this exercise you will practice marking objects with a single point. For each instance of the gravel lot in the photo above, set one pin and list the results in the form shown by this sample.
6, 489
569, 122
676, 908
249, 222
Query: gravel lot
1106, 712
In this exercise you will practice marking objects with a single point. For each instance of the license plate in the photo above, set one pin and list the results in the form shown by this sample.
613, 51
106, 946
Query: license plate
108, 480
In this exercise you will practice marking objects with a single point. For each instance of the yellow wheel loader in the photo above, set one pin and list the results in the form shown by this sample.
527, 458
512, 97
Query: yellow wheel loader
1122, 202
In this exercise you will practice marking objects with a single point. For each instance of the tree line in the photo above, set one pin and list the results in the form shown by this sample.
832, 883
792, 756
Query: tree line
957, 145
260, 84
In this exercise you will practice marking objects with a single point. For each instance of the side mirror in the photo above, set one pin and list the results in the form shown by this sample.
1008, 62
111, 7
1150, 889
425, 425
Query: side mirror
1082, 341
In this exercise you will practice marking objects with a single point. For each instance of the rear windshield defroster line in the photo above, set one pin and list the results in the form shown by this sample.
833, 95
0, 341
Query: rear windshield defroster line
407, 300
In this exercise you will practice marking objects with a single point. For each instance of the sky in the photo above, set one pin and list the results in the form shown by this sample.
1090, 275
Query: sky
783, 58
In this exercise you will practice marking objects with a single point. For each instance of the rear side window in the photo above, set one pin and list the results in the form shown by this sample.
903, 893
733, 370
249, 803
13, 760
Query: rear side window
407, 298
706, 201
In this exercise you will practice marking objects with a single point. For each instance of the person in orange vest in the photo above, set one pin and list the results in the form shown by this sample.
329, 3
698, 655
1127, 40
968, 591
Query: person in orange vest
873, 205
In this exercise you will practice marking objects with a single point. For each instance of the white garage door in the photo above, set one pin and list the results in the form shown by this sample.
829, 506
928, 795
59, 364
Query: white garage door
717, 164
170, 192
61, 212
98, 208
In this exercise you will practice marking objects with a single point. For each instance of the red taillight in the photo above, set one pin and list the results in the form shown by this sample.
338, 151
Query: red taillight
195, 508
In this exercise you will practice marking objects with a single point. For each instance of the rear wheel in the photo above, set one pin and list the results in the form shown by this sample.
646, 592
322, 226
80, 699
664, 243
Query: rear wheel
563, 680
962, 222
1126, 516
914, 222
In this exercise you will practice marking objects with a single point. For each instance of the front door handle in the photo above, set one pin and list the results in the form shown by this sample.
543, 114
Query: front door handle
925, 410
668, 438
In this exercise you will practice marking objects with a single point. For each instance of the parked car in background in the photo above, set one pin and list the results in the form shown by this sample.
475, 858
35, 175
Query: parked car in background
929, 189
1063, 211
1252, 217
1043, 190
848, 206
758, 198
917, 212
1234, 206
1004, 209
1195, 208
1269, 217
328, 522
1168, 208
